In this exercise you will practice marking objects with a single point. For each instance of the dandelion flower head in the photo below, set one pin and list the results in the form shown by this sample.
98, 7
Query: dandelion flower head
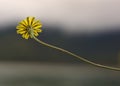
29, 27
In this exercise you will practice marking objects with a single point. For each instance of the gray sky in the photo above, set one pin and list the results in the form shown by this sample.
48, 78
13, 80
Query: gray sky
70, 14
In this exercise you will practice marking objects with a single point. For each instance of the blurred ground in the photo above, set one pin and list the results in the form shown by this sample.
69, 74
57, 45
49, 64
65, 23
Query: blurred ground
50, 74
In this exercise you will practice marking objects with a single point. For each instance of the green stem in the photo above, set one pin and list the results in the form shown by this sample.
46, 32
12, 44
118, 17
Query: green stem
81, 58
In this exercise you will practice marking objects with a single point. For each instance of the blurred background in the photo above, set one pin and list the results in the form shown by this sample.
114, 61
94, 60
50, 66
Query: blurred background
89, 28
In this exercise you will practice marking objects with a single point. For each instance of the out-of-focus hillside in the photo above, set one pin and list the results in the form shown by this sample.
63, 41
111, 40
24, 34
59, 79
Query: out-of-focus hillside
102, 48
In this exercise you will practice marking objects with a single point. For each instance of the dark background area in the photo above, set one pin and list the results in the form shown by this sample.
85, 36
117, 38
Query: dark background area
101, 48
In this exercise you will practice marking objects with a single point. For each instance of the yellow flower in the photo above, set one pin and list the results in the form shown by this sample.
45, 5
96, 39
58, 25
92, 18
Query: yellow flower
29, 27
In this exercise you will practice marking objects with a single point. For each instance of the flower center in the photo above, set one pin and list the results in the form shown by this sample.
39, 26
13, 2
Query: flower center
30, 30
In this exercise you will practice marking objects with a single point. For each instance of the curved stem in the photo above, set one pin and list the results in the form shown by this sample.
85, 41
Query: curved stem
81, 58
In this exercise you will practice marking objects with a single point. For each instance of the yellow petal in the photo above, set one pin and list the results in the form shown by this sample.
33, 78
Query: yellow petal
25, 22
37, 27
20, 27
23, 35
38, 30
21, 32
26, 35
22, 23
35, 33
30, 20
36, 22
